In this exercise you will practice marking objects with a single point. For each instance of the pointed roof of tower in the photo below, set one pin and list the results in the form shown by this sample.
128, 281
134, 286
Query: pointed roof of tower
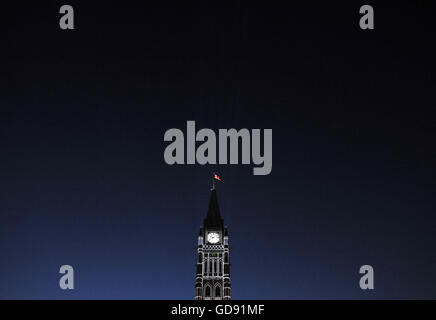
213, 218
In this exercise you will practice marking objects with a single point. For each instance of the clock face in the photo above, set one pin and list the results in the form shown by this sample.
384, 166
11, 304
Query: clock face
213, 237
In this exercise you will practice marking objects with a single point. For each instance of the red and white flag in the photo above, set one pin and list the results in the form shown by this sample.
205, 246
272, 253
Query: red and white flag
216, 177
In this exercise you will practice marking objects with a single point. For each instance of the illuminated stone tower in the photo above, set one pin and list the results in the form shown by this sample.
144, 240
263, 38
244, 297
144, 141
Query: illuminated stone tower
212, 280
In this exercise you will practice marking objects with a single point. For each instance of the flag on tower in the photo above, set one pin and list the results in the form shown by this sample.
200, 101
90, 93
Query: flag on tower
215, 176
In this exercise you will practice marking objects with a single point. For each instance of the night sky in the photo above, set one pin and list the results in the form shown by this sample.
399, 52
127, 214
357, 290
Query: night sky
83, 179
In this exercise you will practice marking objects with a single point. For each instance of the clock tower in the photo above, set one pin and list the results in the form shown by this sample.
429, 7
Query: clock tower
212, 280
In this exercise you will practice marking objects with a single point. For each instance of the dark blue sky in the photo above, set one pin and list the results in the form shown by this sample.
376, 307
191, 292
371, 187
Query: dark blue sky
83, 181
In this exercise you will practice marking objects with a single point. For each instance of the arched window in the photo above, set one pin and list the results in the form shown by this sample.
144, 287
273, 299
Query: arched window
200, 258
217, 291
226, 258
207, 291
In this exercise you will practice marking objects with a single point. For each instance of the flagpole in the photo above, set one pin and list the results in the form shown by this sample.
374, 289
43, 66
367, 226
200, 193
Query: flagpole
213, 182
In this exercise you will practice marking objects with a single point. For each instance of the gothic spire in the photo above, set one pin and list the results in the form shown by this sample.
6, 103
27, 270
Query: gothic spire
213, 218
